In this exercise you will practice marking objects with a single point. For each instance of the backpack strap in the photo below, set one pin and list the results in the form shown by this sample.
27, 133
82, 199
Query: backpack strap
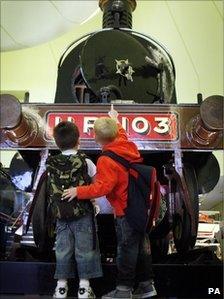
117, 158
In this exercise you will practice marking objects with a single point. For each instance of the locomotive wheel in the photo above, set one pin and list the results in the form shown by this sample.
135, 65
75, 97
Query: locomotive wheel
183, 238
159, 248
162, 229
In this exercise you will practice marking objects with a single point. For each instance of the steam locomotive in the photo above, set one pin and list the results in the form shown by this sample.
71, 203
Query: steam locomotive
136, 73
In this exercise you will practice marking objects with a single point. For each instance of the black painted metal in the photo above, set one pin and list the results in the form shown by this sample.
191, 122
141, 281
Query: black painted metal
171, 280
91, 65
117, 14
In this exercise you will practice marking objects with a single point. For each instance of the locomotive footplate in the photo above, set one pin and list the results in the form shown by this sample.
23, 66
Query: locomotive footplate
177, 277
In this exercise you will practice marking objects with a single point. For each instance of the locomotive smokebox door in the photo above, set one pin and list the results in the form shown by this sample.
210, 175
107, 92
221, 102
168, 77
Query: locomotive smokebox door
116, 61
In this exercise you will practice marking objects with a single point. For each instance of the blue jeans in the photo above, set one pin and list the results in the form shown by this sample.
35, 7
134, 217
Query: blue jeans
134, 262
77, 249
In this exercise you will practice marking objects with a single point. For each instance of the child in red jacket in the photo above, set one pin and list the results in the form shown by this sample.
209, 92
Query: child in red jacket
133, 249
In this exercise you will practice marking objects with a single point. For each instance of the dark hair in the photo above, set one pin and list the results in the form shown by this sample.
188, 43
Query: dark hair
66, 135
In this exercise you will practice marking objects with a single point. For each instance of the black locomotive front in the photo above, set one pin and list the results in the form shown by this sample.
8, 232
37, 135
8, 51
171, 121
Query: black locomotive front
116, 63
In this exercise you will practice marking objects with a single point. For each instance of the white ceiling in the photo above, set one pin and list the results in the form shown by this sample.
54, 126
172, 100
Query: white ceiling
29, 23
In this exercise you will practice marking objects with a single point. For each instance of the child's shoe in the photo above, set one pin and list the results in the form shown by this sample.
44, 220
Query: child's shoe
86, 293
60, 292
145, 290
119, 293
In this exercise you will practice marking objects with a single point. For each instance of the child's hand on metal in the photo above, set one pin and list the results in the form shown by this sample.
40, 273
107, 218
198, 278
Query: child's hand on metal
113, 113
69, 194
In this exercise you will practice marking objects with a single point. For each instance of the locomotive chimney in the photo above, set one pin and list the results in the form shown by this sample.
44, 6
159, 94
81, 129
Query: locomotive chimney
117, 13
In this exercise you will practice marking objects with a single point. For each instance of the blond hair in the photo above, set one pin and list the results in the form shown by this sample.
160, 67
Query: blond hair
105, 129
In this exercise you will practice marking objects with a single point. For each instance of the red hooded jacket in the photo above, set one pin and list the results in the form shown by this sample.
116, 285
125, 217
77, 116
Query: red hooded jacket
111, 177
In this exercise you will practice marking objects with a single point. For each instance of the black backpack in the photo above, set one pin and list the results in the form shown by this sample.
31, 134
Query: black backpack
65, 172
140, 186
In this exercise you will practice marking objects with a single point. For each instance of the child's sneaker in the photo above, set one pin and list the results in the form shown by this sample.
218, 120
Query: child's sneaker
145, 290
118, 293
86, 293
61, 292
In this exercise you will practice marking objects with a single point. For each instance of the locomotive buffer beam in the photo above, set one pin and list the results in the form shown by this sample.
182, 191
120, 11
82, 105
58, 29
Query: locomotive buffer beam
153, 127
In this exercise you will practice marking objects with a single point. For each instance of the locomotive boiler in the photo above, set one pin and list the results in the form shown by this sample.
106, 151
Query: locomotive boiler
137, 74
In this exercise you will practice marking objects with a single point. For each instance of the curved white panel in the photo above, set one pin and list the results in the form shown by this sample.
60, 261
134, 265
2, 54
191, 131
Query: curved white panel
29, 23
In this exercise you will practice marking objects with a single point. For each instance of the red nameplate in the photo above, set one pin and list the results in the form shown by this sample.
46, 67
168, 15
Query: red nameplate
144, 126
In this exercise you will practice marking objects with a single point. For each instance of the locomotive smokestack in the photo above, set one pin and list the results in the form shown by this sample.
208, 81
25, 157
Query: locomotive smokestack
117, 13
